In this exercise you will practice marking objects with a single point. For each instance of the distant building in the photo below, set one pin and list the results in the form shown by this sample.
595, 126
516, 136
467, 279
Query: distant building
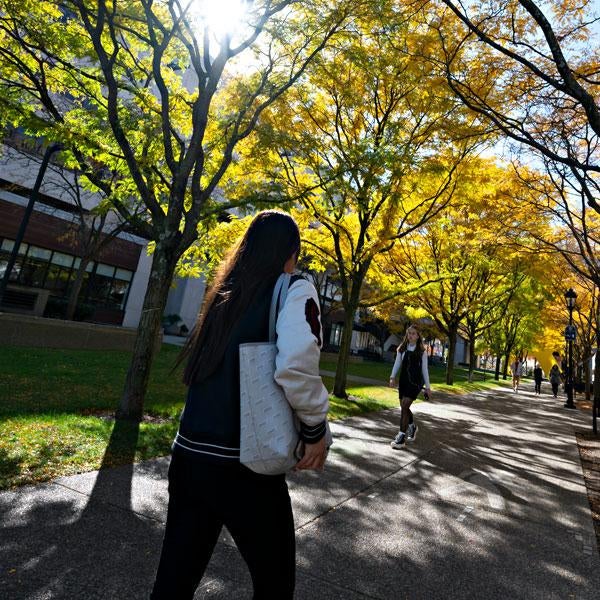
115, 281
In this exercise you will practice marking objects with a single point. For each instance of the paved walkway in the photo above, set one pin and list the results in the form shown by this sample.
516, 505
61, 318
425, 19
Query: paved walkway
488, 502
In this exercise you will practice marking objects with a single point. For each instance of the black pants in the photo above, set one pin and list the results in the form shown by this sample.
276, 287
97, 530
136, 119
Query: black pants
554, 388
256, 510
538, 387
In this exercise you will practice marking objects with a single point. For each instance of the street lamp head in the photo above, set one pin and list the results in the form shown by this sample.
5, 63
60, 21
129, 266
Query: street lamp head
571, 296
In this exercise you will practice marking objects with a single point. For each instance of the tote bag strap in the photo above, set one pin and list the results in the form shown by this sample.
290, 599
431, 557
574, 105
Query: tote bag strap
279, 295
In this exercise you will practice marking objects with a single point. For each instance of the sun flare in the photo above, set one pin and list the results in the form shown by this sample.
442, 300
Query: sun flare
220, 17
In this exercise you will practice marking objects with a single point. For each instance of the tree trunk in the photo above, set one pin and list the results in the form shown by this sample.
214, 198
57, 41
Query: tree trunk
587, 378
76, 289
497, 370
132, 402
341, 371
452, 332
350, 306
596, 405
505, 367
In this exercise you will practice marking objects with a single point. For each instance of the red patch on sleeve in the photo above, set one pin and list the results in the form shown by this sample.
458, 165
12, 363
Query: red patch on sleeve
311, 310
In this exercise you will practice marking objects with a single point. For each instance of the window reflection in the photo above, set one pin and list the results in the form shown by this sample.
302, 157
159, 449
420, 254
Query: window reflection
103, 285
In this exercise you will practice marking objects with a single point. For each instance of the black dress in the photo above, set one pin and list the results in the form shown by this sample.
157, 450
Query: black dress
411, 374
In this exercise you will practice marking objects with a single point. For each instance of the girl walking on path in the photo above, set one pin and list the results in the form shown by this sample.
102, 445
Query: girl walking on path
411, 364
208, 486
516, 368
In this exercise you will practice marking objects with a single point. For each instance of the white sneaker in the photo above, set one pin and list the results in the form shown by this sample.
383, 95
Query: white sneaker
411, 432
399, 441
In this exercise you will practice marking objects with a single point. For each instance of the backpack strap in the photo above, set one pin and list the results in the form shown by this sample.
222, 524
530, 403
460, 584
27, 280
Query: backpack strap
280, 292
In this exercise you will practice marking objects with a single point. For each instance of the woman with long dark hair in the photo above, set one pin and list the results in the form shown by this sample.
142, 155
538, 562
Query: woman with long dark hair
411, 363
208, 486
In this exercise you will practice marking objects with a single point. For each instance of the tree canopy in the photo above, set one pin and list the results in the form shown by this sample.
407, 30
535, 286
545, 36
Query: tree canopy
136, 94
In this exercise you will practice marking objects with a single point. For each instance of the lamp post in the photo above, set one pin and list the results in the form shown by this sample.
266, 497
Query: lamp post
570, 335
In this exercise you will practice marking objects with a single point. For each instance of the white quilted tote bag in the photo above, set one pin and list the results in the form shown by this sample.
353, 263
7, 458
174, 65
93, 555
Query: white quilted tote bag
268, 426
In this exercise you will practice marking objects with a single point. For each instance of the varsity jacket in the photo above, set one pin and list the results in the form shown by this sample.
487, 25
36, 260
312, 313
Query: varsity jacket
209, 427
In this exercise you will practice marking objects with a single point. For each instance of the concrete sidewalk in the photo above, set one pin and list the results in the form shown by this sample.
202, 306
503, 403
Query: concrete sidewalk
488, 502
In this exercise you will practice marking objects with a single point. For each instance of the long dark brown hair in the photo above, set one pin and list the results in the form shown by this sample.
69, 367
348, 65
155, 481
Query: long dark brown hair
251, 267
420, 346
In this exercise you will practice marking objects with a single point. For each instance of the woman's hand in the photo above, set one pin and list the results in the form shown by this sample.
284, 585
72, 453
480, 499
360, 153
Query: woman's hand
393, 382
314, 456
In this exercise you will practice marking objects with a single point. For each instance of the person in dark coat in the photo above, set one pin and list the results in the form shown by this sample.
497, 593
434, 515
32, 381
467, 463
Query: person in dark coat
555, 379
209, 488
538, 375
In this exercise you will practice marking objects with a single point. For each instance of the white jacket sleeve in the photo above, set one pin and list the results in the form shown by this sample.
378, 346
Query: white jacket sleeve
299, 338
397, 364
424, 360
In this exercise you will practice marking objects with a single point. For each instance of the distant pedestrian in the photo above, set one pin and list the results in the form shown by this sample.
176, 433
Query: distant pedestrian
562, 366
555, 378
538, 375
516, 369
411, 365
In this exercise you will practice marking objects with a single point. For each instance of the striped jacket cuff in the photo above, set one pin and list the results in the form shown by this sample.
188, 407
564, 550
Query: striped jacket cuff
311, 434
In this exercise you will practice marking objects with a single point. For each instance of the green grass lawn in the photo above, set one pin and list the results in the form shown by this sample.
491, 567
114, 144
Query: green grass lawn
437, 375
56, 409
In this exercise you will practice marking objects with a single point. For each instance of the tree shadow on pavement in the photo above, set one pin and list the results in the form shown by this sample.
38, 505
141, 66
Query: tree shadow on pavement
488, 505
59, 542
482, 505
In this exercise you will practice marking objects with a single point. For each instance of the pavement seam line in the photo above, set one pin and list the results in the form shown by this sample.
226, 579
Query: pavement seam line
391, 474
337, 585
367, 487
89, 496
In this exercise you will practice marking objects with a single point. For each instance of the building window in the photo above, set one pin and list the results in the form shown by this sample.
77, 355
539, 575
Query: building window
120, 288
34, 267
59, 273
109, 286
103, 285
5, 249
99, 284
335, 338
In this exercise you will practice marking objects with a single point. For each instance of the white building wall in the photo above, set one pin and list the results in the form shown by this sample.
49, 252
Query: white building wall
23, 170
185, 299
461, 352
135, 301
354, 341
458, 351
393, 340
